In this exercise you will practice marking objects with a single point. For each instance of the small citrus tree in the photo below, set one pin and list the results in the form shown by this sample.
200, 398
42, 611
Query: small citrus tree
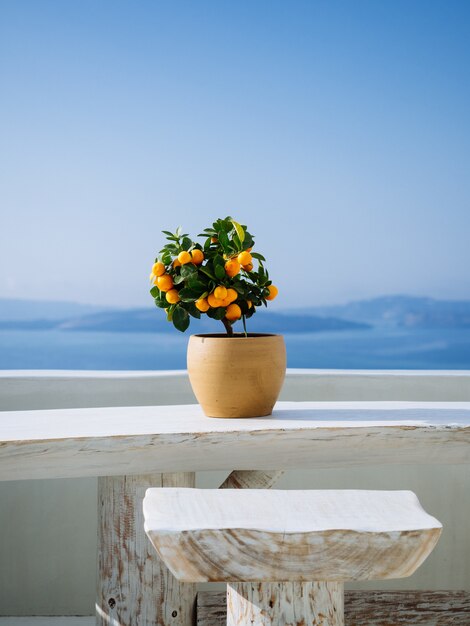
217, 278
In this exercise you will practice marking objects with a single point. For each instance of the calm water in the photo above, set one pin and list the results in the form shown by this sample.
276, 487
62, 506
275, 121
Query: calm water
365, 349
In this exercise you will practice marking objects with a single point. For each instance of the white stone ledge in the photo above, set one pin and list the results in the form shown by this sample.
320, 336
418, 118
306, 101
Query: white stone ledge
165, 373
49, 389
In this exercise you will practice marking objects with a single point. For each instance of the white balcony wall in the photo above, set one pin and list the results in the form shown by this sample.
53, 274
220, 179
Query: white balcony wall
48, 538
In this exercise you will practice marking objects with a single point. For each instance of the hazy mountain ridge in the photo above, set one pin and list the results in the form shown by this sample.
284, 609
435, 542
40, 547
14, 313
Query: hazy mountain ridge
402, 311
397, 311
151, 320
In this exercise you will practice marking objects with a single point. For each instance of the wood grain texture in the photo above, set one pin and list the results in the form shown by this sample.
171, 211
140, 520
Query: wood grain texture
137, 440
370, 608
134, 586
213, 535
285, 604
251, 479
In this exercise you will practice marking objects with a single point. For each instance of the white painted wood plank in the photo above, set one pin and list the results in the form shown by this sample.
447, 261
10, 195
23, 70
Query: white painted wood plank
213, 535
176, 510
137, 440
91, 423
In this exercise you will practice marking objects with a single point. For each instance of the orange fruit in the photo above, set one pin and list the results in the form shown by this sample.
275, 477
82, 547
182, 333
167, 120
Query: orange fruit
176, 263
202, 305
214, 240
248, 267
165, 282
244, 258
197, 256
158, 268
220, 292
232, 267
249, 303
213, 301
249, 249
232, 295
172, 296
273, 291
184, 257
233, 312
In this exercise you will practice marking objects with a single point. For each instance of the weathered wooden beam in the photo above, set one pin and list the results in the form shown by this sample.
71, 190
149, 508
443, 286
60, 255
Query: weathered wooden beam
370, 608
134, 586
285, 604
266, 535
110, 441
251, 479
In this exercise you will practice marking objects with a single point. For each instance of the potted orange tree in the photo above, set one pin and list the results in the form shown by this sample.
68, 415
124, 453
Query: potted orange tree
232, 374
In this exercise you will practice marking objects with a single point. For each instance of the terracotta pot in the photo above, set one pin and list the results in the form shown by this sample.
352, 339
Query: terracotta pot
236, 376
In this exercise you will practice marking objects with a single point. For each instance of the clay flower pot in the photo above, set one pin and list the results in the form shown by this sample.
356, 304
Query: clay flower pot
236, 376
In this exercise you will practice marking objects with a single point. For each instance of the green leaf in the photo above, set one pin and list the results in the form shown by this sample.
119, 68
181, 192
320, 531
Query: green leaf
219, 313
186, 243
189, 295
257, 255
249, 243
170, 248
193, 310
180, 319
166, 258
161, 303
179, 230
207, 272
224, 241
239, 230
187, 270
196, 285
178, 279
219, 272
155, 292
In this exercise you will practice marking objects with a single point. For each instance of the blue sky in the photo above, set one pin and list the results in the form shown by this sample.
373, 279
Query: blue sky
338, 131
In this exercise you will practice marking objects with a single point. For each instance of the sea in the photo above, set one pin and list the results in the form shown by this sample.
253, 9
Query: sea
376, 348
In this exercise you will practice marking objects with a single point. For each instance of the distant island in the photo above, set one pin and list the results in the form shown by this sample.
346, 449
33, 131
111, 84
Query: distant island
393, 311
150, 320
402, 311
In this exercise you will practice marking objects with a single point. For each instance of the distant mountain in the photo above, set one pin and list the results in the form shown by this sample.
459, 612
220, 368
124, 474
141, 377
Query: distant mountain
18, 309
402, 311
398, 311
151, 320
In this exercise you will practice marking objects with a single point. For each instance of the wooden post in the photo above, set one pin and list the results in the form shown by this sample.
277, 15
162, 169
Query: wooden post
134, 586
285, 604
251, 479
